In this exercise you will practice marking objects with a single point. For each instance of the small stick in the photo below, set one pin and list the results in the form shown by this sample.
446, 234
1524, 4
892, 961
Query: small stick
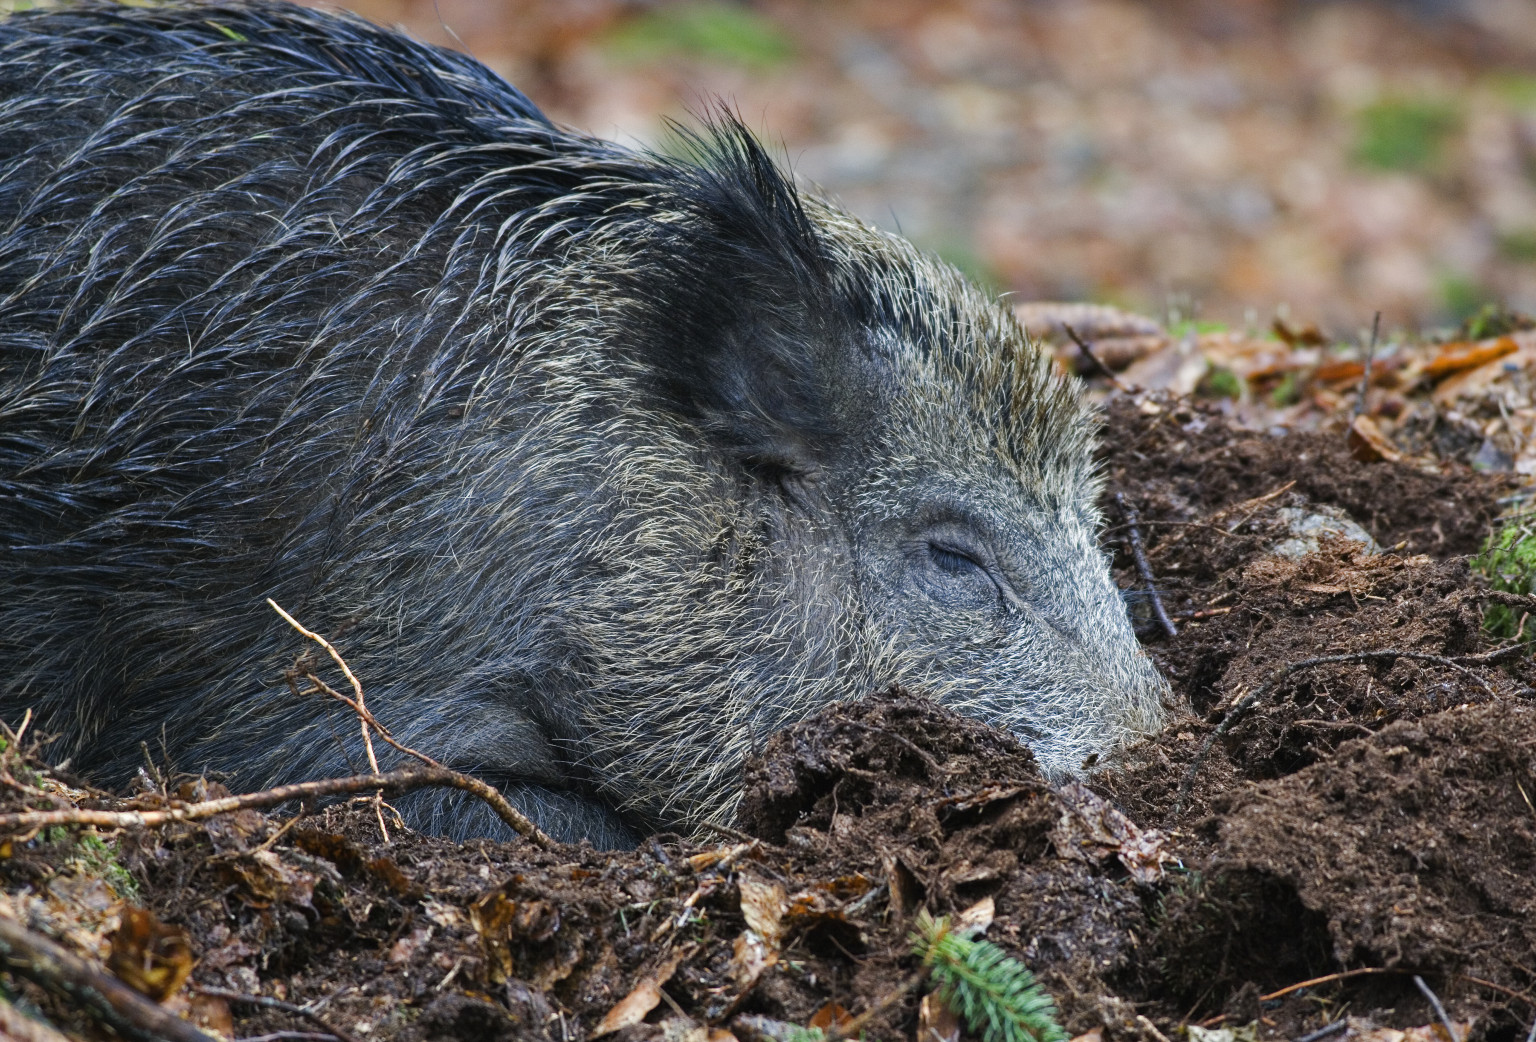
1142, 567
730, 833
1329, 979
1434, 1001
323, 688
403, 780
108, 999
361, 706
1365, 377
1501, 989
1247, 702
1082, 345
278, 1004
1325, 1031
288, 1036
885, 1002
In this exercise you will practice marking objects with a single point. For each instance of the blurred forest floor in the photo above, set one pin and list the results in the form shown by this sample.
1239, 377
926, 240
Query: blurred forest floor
1224, 160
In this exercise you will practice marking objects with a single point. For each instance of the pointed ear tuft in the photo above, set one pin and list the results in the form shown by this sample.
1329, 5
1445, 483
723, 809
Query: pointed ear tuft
747, 335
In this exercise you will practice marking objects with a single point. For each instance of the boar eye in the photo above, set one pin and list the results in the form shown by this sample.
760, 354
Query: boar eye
955, 562
954, 575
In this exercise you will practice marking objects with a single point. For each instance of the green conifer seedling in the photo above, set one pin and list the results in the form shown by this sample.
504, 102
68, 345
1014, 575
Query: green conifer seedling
992, 992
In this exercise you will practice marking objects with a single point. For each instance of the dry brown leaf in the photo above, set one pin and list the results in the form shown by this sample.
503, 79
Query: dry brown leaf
642, 998
406, 947
1094, 1035
829, 1016
1425, 1033
936, 1022
1368, 444
1303, 336
751, 957
763, 905
906, 892
1470, 383
1091, 829
212, 1013
149, 956
975, 919
1453, 358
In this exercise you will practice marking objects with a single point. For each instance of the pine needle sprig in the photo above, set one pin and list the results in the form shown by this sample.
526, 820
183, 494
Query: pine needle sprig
995, 994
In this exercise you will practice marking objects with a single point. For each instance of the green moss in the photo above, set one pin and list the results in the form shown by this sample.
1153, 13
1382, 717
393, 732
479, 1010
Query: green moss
1404, 134
1192, 327
1287, 391
1517, 88
1463, 297
722, 32
98, 857
1220, 382
1509, 561
1519, 245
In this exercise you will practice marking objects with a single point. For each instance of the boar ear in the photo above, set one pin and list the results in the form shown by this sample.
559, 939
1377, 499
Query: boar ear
755, 343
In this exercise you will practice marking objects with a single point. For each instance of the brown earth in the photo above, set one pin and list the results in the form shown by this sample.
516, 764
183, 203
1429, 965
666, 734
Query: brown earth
1364, 821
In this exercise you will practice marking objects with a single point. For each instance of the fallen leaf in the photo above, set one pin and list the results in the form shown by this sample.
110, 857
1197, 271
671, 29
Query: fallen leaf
751, 957
906, 892
643, 998
406, 947
448, 916
212, 1013
1091, 828
1368, 444
1094, 1035
936, 1022
1453, 358
149, 956
829, 1016
1304, 336
763, 906
975, 919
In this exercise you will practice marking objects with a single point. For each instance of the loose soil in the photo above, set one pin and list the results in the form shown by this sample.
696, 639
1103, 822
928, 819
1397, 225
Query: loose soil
1365, 821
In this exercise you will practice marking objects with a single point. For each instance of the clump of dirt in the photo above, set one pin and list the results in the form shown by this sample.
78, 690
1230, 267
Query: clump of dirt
1178, 463
1344, 799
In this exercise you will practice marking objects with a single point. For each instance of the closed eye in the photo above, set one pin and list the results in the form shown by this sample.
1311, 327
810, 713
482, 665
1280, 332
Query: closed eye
953, 561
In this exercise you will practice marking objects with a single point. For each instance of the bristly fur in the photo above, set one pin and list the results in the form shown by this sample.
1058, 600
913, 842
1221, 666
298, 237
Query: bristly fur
588, 459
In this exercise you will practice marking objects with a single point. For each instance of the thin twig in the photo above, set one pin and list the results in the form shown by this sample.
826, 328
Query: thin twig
1142, 567
1230, 719
1501, 989
1326, 1031
360, 706
321, 687
288, 1036
1434, 1001
730, 833
1082, 345
852, 1028
1365, 377
403, 780
266, 1002
106, 998
1328, 979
